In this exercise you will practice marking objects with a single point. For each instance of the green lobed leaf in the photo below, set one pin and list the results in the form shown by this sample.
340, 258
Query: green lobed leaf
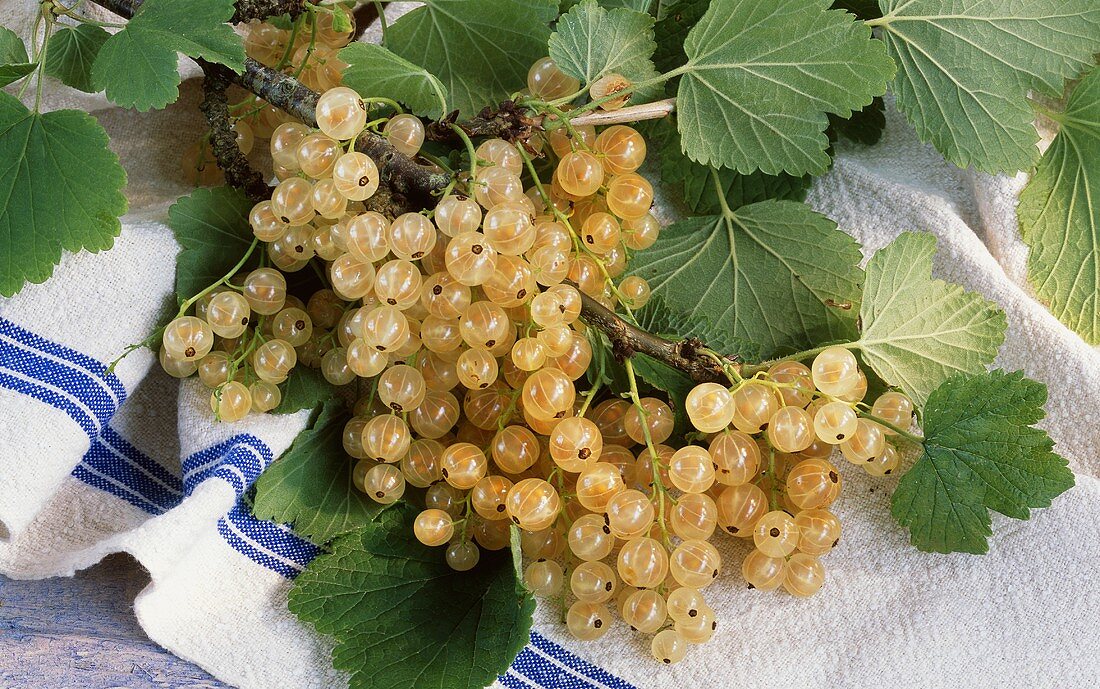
137, 66
775, 273
980, 453
211, 225
694, 184
1060, 215
590, 41
636, 5
480, 49
376, 71
761, 78
71, 52
964, 70
14, 62
402, 619
919, 331
60, 189
305, 388
863, 127
311, 487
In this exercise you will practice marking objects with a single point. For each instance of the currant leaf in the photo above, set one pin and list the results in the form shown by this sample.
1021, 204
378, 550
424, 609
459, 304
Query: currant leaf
212, 227
71, 52
137, 66
919, 331
391, 603
376, 71
305, 388
310, 486
480, 49
694, 184
981, 453
964, 70
590, 42
1060, 217
65, 152
761, 78
775, 273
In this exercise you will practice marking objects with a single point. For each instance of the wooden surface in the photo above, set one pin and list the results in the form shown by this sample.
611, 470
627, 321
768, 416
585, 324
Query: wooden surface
81, 633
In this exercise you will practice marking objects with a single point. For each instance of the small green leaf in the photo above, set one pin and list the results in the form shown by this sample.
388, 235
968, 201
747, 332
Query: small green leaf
964, 70
375, 71
61, 188
980, 453
14, 63
1060, 215
137, 66
863, 127
72, 51
310, 486
590, 41
212, 227
918, 331
775, 273
693, 183
402, 619
480, 49
761, 78
305, 388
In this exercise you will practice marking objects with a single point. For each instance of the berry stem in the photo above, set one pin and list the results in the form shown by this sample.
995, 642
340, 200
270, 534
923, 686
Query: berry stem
659, 490
911, 437
797, 356
232, 271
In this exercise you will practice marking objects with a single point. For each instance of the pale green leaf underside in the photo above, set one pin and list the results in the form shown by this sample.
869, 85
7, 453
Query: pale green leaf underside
137, 66
918, 331
480, 49
762, 76
72, 52
590, 41
402, 619
1060, 216
376, 71
310, 486
60, 188
965, 67
767, 274
212, 227
980, 453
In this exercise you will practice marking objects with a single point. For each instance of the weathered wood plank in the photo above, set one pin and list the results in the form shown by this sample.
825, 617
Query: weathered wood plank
81, 632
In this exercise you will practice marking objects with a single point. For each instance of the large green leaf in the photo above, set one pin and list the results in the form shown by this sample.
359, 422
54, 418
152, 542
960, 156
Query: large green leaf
918, 331
212, 227
137, 66
480, 49
674, 21
694, 184
965, 67
981, 453
590, 41
71, 52
310, 486
761, 78
376, 71
775, 273
14, 63
60, 188
403, 619
1060, 215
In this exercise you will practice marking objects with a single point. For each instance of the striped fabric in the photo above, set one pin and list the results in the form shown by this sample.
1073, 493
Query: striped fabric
89, 394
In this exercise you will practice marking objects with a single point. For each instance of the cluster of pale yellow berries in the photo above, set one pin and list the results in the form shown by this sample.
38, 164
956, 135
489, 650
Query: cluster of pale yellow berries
461, 327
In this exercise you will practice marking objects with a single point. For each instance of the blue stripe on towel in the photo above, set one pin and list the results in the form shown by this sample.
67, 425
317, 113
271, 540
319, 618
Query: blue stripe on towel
83, 388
